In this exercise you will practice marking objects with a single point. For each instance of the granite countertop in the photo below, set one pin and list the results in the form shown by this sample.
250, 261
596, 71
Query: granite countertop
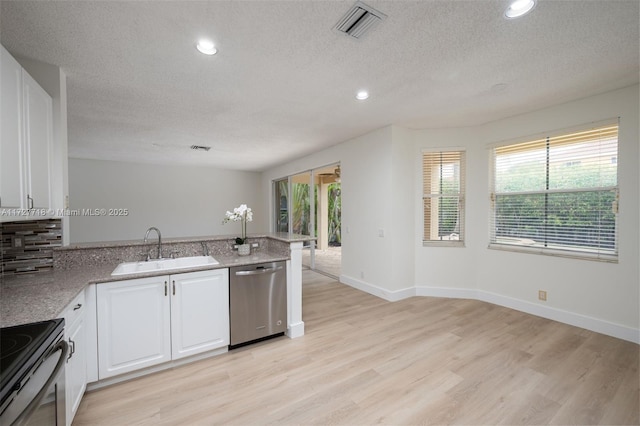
43, 296
279, 236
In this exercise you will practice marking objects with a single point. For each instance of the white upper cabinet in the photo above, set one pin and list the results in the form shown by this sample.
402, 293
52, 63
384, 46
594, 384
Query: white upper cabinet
26, 144
38, 137
12, 183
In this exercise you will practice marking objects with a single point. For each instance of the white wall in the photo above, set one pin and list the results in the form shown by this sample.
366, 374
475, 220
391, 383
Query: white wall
381, 189
452, 267
596, 295
366, 185
400, 204
181, 201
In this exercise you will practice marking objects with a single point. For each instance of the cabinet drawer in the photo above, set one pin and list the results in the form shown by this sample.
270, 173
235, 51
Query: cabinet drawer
74, 310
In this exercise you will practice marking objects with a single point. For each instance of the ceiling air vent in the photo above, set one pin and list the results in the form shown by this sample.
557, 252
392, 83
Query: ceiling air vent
359, 19
200, 148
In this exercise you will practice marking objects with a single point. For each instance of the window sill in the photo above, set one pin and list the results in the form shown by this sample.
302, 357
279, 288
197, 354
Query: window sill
571, 254
444, 243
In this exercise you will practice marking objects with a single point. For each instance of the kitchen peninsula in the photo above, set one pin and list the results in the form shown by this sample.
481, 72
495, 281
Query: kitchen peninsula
124, 325
42, 296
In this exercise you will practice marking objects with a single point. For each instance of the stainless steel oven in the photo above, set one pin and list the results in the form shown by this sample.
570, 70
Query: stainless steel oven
32, 360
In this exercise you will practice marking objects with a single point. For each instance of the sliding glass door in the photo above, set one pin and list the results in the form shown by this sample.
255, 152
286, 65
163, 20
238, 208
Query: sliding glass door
309, 203
301, 204
281, 204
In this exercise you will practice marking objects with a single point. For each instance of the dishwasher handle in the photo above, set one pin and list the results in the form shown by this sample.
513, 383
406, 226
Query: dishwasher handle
259, 271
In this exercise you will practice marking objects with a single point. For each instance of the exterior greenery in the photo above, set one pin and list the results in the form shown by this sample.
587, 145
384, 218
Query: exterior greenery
558, 204
335, 214
301, 210
449, 216
581, 219
301, 214
449, 208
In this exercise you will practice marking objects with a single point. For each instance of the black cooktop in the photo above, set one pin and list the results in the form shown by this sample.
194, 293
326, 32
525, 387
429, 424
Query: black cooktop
21, 347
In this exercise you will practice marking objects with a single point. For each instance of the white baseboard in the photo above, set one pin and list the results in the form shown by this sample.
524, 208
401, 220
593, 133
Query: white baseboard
391, 296
571, 318
451, 293
594, 324
296, 330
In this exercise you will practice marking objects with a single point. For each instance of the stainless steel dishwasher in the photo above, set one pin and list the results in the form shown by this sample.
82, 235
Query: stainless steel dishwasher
257, 302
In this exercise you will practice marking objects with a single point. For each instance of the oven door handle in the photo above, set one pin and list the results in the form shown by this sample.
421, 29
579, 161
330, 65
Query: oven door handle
33, 405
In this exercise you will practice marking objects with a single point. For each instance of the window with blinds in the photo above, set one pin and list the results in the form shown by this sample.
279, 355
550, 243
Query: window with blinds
443, 197
558, 195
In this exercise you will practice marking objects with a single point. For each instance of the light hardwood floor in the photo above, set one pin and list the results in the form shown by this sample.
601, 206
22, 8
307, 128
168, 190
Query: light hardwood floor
328, 261
418, 361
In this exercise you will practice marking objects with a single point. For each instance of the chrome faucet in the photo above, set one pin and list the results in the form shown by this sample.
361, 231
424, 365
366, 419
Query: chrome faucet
205, 249
146, 237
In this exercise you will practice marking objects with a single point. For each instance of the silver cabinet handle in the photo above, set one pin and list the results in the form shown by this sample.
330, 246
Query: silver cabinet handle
78, 306
258, 271
174, 287
73, 349
165, 288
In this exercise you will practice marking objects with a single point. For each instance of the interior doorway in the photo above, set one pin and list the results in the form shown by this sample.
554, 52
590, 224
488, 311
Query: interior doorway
310, 203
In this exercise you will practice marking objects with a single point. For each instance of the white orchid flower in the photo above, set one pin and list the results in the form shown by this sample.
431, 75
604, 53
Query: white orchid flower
240, 213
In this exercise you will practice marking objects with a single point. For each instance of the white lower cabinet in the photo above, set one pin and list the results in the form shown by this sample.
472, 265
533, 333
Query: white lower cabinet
76, 368
148, 321
133, 325
199, 312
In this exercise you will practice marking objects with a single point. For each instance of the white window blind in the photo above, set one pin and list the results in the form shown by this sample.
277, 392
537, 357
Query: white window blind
558, 195
443, 197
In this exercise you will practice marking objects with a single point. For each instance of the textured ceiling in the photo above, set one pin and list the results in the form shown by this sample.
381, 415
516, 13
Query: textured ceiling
283, 82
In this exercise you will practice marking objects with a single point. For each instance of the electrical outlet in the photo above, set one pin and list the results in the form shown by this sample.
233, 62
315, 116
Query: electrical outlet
542, 295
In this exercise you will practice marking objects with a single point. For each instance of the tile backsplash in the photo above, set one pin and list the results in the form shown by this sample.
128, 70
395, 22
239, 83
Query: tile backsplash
27, 246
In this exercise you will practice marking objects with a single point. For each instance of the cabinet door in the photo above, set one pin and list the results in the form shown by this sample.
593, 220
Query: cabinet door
199, 312
11, 145
76, 369
91, 332
133, 325
38, 142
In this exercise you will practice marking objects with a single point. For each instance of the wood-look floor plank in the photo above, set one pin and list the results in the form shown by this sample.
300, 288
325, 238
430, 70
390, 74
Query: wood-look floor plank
421, 360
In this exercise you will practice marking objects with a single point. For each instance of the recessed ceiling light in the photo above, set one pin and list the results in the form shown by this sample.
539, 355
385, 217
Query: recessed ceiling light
362, 95
519, 8
206, 46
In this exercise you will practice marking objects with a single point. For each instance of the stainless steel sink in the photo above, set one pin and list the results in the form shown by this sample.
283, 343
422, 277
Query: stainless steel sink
162, 265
